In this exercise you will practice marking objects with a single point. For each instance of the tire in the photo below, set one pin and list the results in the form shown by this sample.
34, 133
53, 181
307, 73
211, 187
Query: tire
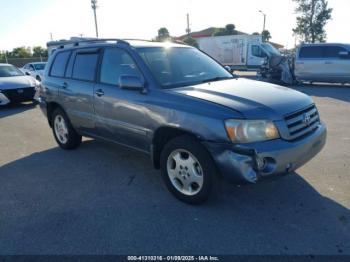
200, 177
38, 78
63, 131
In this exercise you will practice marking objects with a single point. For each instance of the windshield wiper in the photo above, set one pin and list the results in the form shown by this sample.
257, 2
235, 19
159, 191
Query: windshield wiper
219, 78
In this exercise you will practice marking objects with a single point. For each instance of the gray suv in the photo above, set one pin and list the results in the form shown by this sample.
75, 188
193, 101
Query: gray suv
194, 119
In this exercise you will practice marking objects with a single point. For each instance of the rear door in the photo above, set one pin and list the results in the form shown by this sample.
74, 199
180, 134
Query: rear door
338, 66
310, 63
77, 89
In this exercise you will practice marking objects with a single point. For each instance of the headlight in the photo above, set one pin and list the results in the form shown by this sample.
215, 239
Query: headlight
246, 131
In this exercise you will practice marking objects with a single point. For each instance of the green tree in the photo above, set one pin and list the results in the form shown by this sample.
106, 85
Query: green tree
191, 41
38, 51
266, 36
229, 29
21, 52
312, 17
163, 34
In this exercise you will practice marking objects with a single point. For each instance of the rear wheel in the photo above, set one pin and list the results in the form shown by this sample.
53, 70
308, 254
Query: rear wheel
187, 169
64, 133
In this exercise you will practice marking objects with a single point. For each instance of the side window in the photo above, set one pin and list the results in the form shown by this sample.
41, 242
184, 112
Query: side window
85, 66
116, 62
333, 51
311, 52
59, 64
257, 51
31, 67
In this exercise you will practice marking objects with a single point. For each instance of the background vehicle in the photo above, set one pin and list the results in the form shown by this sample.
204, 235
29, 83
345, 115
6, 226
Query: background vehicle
181, 107
237, 51
15, 86
323, 62
35, 70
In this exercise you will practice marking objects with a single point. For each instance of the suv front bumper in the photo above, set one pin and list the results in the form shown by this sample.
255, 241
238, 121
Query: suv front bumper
249, 163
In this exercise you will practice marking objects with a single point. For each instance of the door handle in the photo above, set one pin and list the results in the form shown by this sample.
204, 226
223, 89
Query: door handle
99, 92
64, 85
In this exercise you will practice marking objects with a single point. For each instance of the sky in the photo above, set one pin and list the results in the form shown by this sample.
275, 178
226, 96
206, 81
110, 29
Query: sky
30, 22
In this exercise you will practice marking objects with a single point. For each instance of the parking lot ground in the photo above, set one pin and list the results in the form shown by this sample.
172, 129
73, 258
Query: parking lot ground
105, 199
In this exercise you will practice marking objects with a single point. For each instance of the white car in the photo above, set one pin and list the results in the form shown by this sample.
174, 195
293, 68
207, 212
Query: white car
35, 70
15, 86
323, 63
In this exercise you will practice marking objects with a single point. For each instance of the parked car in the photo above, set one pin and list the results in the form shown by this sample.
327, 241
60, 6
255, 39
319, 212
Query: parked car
35, 70
15, 86
176, 104
323, 63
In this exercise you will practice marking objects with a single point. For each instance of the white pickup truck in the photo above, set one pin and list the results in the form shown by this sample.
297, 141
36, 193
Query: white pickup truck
324, 62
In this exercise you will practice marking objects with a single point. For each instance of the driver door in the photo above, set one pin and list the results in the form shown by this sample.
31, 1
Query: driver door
256, 56
121, 115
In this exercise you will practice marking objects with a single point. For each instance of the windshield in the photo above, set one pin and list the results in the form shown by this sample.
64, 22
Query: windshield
9, 70
39, 66
182, 66
270, 49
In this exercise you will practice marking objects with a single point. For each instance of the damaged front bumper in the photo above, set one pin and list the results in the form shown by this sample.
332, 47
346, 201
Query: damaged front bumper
249, 163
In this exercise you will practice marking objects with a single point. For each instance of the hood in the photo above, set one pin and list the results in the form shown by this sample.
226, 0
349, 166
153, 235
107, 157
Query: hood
13, 82
254, 99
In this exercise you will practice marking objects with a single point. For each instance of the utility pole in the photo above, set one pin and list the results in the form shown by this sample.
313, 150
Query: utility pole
5, 53
94, 7
188, 30
264, 19
51, 37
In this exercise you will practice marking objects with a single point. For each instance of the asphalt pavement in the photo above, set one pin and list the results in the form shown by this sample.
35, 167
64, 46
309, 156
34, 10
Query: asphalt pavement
106, 199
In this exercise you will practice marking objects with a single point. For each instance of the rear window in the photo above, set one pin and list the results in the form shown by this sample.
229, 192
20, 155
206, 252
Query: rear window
333, 51
85, 66
59, 64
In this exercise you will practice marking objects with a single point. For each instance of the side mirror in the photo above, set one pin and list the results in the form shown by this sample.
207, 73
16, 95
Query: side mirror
131, 82
228, 69
344, 54
27, 73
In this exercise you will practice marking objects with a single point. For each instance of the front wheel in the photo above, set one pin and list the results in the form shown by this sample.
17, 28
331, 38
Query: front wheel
187, 170
64, 133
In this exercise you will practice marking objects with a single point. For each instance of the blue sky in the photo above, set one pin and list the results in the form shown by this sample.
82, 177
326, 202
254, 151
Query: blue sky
29, 23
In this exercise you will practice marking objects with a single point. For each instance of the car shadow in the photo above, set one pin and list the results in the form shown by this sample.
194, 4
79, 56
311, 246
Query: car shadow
105, 199
12, 109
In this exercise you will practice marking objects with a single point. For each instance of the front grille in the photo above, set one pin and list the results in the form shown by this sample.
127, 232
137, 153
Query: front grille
20, 94
302, 122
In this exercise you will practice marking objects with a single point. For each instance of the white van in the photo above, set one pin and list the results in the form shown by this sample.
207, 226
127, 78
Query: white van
323, 63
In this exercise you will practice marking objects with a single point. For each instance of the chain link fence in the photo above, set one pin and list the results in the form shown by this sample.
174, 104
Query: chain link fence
20, 62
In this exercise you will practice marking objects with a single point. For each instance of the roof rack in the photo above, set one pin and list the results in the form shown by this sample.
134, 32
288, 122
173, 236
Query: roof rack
78, 42
137, 39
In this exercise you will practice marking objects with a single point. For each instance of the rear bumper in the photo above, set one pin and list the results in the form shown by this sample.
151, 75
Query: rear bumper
249, 163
